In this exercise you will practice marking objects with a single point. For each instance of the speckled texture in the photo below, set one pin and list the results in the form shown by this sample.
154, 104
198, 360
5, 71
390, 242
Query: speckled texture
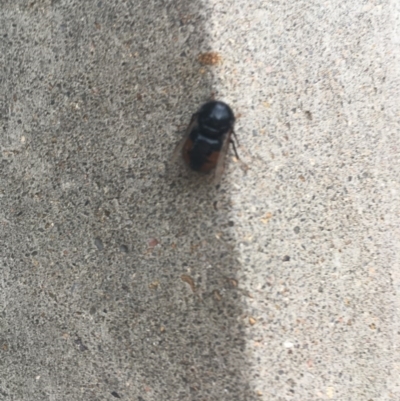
316, 217
123, 276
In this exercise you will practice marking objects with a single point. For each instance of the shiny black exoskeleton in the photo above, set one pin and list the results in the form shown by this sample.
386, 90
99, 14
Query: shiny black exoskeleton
215, 119
207, 138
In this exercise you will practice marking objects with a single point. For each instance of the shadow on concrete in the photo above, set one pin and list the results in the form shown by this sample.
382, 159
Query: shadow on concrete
118, 269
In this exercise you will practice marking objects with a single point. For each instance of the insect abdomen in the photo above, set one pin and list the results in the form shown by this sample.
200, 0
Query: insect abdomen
200, 155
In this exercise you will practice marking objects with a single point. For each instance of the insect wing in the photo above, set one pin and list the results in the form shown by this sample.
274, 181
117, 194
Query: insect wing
219, 169
178, 149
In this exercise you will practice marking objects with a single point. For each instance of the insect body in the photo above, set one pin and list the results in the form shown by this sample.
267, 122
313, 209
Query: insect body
207, 138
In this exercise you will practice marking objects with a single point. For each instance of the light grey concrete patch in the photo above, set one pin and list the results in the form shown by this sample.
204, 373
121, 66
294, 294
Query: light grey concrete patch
316, 217
124, 276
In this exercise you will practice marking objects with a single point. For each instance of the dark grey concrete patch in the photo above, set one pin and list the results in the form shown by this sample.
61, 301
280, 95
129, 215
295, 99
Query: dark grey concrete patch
97, 233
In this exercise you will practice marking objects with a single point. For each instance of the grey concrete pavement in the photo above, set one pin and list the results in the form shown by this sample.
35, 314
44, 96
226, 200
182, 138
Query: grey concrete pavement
123, 276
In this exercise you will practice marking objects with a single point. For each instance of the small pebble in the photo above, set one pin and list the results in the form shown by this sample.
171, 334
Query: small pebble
99, 244
123, 248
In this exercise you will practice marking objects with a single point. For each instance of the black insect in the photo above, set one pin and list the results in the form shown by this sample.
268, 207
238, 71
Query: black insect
207, 138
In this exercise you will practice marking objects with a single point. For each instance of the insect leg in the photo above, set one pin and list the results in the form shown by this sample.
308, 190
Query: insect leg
236, 138
245, 167
234, 147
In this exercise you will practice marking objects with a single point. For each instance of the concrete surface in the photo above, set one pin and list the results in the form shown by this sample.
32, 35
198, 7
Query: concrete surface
125, 277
